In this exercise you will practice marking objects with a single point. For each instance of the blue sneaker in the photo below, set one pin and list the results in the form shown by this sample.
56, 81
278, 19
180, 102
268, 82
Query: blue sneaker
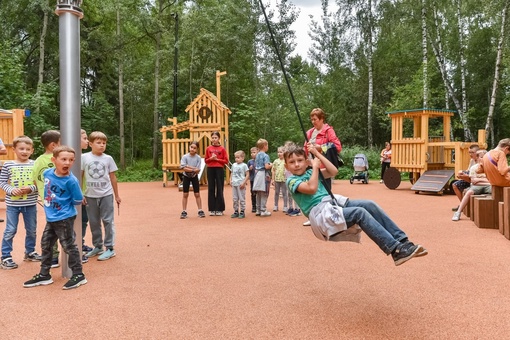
94, 252
54, 262
108, 254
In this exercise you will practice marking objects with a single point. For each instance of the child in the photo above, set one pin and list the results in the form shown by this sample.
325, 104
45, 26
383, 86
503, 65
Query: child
50, 140
99, 171
61, 193
16, 179
279, 180
337, 222
290, 211
190, 164
216, 158
239, 179
479, 185
251, 167
84, 217
262, 179
495, 165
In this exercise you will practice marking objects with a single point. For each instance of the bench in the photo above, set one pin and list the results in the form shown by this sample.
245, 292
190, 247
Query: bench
504, 213
486, 209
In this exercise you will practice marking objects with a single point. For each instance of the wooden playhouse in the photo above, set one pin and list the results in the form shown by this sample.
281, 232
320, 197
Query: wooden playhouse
206, 114
11, 126
434, 159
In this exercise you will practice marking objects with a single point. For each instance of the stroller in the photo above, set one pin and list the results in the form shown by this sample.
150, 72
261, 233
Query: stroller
360, 164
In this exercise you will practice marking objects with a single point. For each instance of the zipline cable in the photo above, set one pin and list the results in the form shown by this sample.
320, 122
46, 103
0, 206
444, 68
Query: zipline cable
321, 176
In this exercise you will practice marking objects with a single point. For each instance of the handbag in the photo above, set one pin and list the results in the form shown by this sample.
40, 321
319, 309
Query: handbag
333, 156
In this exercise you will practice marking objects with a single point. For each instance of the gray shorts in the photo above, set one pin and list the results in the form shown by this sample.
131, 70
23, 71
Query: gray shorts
481, 189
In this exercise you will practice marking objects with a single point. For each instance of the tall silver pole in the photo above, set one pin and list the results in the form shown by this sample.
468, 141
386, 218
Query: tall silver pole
70, 13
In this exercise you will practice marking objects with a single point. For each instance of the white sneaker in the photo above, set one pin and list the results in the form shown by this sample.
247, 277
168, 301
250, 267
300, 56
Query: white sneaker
265, 213
381, 181
275, 208
307, 223
456, 216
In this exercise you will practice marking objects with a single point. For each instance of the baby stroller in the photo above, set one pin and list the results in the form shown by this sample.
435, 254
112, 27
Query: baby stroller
360, 164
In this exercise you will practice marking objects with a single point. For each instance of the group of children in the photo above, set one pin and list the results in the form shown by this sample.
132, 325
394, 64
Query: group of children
259, 172
60, 192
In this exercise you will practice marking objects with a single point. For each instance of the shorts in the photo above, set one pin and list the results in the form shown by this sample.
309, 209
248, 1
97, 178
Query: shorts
462, 185
481, 189
193, 180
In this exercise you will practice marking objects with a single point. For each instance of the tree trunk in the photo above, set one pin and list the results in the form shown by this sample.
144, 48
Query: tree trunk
424, 52
40, 72
489, 123
121, 96
462, 65
370, 75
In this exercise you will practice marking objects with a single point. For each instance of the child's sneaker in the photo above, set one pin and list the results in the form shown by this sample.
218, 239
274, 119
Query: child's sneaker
456, 215
54, 262
285, 210
404, 252
423, 251
94, 252
295, 212
253, 210
86, 249
212, 213
33, 256
38, 280
265, 213
235, 215
201, 214
241, 215
108, 254
84, 259
219, 213
257, 213
75, 281
8, 263
184, 214
275, 208
307, 223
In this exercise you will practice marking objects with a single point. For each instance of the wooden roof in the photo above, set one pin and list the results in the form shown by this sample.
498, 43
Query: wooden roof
420, 112
208, 95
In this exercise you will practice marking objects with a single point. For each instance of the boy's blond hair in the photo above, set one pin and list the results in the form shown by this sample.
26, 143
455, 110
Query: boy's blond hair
62, 148
22, 139
261, 143
239, 153
97, 135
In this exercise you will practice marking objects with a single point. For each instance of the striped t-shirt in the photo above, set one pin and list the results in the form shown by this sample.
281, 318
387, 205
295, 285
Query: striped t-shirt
17, 175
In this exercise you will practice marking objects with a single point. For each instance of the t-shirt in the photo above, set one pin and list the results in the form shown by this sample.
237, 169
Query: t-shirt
495, 166
42, 163
61, 194
279, 170
192, 161
261, 160
304, 201
238, 173
17, 175
97, 171
251, 163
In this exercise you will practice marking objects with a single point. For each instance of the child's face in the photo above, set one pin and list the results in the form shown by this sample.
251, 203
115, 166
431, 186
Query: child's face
296, 164
192, 149
23, 151
84, 141
98, 146
63, 163
239, 159
254, 154
280, 154
215, 140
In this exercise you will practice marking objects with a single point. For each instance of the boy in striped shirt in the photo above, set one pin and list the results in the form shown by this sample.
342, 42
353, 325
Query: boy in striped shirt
16, 179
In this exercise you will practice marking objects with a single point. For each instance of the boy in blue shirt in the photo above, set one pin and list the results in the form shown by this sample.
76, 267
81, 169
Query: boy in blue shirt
62, 193
344, 220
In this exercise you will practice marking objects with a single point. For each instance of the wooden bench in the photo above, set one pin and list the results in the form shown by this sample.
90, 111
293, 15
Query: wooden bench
504, 213
486, 209
469, 208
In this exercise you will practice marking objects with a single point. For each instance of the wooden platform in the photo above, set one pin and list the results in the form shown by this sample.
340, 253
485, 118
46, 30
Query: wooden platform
433, 181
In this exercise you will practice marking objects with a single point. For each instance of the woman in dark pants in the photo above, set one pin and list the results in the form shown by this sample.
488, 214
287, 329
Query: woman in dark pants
216, 158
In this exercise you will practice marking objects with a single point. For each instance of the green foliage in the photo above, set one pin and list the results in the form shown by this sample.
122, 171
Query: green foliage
140, 171
374, 162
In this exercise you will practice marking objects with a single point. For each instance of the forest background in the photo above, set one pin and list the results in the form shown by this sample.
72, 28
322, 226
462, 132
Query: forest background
368, 57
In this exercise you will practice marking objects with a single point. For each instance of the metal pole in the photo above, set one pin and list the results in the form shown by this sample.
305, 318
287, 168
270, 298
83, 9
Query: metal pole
70, 13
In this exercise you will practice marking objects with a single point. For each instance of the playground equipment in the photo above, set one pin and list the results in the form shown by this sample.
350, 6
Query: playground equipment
206, 114
11, 126
430, 160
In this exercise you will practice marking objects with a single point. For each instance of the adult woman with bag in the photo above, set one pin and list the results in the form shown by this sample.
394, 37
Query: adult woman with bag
385, 159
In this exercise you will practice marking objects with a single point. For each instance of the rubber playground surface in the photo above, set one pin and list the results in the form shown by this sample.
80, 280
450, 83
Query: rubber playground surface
268, 277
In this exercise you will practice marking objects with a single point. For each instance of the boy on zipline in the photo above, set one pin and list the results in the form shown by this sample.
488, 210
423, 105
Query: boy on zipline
344, 220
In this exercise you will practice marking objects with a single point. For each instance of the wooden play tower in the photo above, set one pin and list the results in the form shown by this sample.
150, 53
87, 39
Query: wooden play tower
206, 113
414, 151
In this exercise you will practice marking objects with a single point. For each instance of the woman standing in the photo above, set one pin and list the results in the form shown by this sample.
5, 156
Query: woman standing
385, 159
216, 158
321, 134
